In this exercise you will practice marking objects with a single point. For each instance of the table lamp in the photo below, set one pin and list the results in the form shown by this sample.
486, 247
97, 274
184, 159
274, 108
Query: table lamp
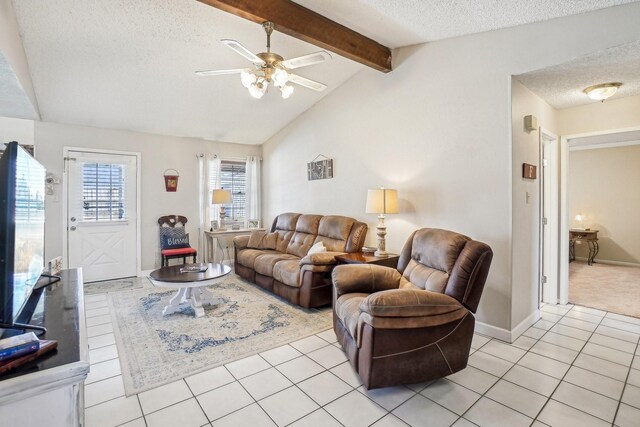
221, 197
382, 201
580, 218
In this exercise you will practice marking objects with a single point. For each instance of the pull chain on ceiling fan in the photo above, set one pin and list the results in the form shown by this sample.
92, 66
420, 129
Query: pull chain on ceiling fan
271, 67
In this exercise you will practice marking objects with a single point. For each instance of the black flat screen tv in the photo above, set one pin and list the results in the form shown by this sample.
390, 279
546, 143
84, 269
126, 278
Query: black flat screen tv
22, 192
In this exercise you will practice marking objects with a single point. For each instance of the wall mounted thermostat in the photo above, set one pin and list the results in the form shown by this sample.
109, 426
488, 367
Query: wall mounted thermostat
530, 123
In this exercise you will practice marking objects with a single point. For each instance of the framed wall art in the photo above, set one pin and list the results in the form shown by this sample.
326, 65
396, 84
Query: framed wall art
320, 168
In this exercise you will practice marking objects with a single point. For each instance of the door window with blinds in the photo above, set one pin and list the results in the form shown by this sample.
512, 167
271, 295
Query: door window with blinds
233, 177
102, 196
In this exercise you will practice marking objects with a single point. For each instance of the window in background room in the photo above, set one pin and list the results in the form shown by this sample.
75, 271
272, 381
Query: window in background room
232, 177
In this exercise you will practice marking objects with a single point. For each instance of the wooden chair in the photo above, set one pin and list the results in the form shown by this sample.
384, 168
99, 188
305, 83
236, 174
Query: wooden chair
167, 254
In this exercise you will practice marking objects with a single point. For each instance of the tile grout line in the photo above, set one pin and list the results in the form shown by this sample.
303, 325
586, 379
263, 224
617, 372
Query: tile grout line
624, 387
565, 374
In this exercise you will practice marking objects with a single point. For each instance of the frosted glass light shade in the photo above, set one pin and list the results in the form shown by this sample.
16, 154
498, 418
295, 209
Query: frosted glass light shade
382, 201
286, 90
220, 197
602, 91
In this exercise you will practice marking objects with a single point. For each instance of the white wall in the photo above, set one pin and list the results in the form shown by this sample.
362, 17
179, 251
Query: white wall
158, 154
526, 215
20, 130
437, 128
603, 185
600, 116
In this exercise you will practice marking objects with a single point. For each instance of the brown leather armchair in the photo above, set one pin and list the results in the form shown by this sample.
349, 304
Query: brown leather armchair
415, 323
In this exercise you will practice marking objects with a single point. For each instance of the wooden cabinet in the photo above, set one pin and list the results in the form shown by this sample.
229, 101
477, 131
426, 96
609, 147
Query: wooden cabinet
49, 391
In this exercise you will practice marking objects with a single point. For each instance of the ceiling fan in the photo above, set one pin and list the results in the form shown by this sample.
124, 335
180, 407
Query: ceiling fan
271, 67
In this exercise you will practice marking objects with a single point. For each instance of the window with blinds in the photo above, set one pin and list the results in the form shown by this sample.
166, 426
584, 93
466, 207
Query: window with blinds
103, 195
233, 177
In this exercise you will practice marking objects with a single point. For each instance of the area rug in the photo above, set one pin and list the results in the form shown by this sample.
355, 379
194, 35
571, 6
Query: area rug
613, 288
156, 349
117, 285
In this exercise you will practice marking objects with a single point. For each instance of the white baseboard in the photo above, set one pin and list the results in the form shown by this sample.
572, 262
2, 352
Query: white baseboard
493, 331
504, 334
608, 261
145, 273
525, 324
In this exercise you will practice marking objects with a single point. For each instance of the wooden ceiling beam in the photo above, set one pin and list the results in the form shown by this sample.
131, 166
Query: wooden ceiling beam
297, 21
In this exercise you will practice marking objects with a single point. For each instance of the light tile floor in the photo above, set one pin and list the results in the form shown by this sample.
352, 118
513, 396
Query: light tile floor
575, 367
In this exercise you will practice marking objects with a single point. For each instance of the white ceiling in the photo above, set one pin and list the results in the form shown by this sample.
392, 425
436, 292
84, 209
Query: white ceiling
561, 86
129, 64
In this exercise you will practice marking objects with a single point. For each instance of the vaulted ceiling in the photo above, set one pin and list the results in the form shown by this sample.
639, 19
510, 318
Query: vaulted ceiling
130, 64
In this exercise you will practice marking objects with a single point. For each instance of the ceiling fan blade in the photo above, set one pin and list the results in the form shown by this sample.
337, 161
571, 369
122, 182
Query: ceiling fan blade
303, 61
308, 83
220, 72
241, 50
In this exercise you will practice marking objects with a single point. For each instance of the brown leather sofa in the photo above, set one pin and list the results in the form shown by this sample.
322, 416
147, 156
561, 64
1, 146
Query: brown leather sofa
415, 323
279, 262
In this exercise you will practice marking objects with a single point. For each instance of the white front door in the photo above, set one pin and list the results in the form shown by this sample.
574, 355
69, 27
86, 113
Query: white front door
102, 214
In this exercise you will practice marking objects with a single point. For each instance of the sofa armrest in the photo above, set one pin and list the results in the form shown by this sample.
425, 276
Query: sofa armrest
409, 303
321, 258
367, 278
240, 242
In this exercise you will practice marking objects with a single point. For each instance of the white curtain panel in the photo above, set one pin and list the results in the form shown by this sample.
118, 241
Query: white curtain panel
253, 173
204, 202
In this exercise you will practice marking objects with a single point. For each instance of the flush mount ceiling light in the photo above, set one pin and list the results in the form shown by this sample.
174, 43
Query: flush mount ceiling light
271, 67
602, 91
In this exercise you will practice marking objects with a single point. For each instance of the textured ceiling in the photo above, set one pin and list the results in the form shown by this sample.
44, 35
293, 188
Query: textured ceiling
561, 86
129, 64
407, 22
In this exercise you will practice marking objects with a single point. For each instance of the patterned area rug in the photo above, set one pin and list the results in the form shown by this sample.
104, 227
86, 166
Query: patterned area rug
156, 350
115, 285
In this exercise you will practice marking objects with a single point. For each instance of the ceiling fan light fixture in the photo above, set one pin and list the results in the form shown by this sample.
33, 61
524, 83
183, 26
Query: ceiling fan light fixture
247, 78
602, 91
286, 90
280, 77
258, 89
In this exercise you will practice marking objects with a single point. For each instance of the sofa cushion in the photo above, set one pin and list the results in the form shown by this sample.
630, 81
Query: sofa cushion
334, 231
260, 239
247, 257
287, 272
285, 226
264, 263
304, 236
347, 309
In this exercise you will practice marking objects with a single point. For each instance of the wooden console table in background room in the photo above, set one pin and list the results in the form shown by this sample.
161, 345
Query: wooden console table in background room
589, 236
368, 258
217, 235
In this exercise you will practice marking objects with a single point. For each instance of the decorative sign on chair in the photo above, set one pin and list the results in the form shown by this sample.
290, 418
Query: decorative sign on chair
171, 180
320, 168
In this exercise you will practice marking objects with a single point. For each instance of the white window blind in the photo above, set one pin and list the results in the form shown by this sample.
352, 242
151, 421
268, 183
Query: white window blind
233, 177
103, 194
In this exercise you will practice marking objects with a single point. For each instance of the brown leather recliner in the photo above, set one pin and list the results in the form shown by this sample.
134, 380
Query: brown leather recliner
412, 324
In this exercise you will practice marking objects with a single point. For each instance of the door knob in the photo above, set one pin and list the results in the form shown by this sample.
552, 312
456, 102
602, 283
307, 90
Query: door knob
72, 228
73, 219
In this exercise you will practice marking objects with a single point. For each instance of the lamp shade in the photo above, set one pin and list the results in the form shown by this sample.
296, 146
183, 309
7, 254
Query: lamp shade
382, 201
221, 197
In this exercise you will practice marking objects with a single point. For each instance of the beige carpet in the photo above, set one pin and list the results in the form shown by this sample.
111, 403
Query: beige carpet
607, 287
